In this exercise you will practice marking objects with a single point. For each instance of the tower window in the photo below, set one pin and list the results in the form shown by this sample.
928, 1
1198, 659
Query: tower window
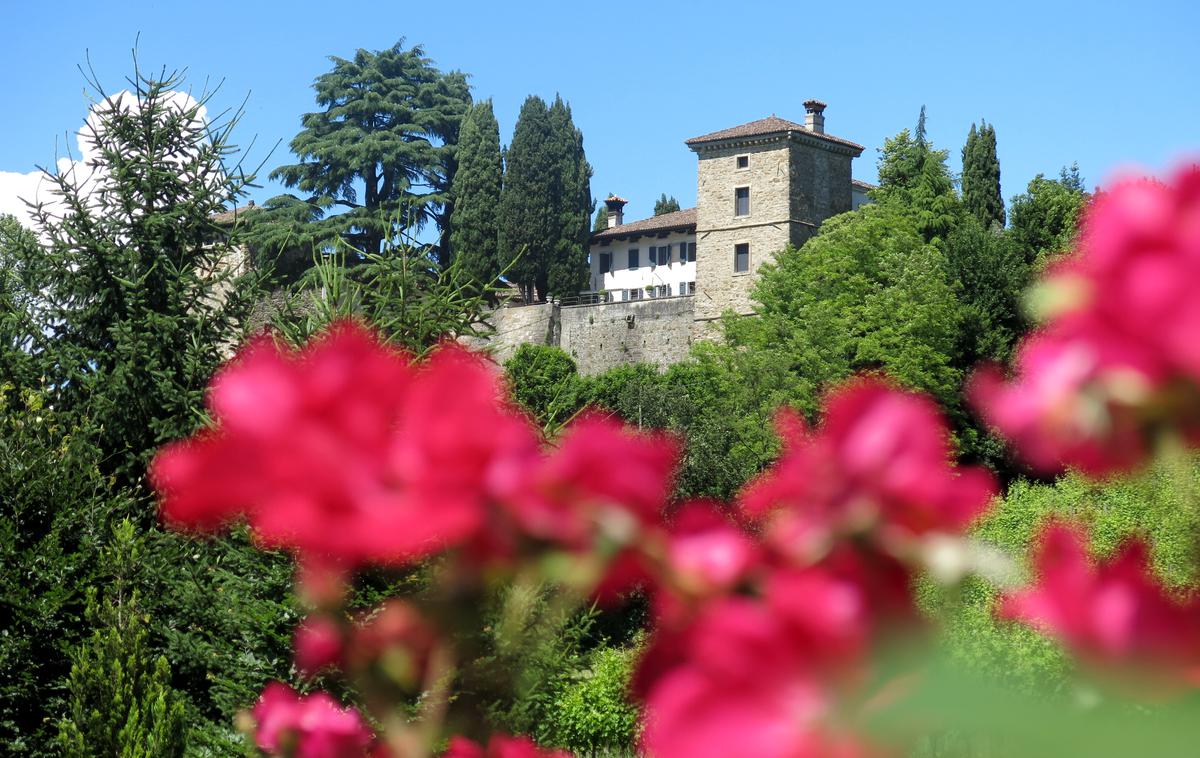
743, 161
741, 201
741, 257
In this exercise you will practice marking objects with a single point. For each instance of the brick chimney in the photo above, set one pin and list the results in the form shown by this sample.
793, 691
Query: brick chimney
814, 116
616, 210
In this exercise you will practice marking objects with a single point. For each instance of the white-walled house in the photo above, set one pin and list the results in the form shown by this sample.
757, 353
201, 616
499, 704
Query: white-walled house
651, 258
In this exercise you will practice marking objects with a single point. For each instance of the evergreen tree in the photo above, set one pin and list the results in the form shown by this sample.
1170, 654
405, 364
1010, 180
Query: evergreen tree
528, 226
476, 193
121, 703
388, 128
572, 195
139, 294
981, 177
1045, 218
665, 204
916, 176
601, 222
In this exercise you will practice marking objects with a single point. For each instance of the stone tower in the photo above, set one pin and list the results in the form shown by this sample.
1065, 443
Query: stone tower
762, 186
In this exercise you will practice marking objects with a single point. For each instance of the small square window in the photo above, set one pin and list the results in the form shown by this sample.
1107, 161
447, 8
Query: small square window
741, 257
741, 201
743, 161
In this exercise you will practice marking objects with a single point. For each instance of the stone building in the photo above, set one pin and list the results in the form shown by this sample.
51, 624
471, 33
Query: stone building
760, 186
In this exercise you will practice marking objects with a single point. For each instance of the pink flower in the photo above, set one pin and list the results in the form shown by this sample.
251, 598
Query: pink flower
500, 746
739, 681
1118, 361
1113, 612
396, 637
1064, 408
346, 451
317, 645
706, 552
881, 460
311, 726
574, 493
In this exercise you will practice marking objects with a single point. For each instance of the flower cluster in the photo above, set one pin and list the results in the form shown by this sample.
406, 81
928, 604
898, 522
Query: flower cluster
755, 636
1118, 361
768, 611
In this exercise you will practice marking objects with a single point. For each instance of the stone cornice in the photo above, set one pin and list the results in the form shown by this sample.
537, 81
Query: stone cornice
800, 136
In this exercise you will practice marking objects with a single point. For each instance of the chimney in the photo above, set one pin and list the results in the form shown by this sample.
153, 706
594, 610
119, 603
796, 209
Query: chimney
814, 118
616, 210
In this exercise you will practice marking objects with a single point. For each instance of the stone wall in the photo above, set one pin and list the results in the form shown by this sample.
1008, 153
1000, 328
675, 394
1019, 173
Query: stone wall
656, 331
598, 337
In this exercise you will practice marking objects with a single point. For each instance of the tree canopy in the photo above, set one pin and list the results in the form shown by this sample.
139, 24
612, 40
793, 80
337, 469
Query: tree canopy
475, 235
1045, 218
665, 204
546, 204
981, 177
916, 176
382, 147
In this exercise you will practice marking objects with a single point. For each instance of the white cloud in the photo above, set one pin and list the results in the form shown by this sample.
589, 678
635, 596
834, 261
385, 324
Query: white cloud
16, 188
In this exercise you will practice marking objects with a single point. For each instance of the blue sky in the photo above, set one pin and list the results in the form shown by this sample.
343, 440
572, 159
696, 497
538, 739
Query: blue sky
1107, 84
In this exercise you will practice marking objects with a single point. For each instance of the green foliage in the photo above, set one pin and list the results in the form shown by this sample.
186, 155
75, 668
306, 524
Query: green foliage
138, 289
665, 204
402, 293
55, 513
571, 188
601, 222
388, 124
867, 293
1046, 216
121, 700
1160, 503
223, 612
915, 176
16, 244
981, 177
545, 381
476, 192
527, 228
989, 275
592, 710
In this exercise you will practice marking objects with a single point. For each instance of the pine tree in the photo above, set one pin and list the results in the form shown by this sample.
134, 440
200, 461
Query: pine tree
527, 212
121, 703
567, 268
476, 193
389, 121
665, 204
981, 177
140, 294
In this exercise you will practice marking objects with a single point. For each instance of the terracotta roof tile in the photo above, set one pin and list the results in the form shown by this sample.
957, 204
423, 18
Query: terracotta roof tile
770, 125
679, 220
863, 185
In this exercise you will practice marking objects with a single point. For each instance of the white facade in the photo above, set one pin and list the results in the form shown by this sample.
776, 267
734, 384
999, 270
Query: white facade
663, 266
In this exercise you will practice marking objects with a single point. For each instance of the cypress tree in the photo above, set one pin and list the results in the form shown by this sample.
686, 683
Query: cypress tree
527, 213
572, 198
601, 222
476, 195
981, 177
665, 204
